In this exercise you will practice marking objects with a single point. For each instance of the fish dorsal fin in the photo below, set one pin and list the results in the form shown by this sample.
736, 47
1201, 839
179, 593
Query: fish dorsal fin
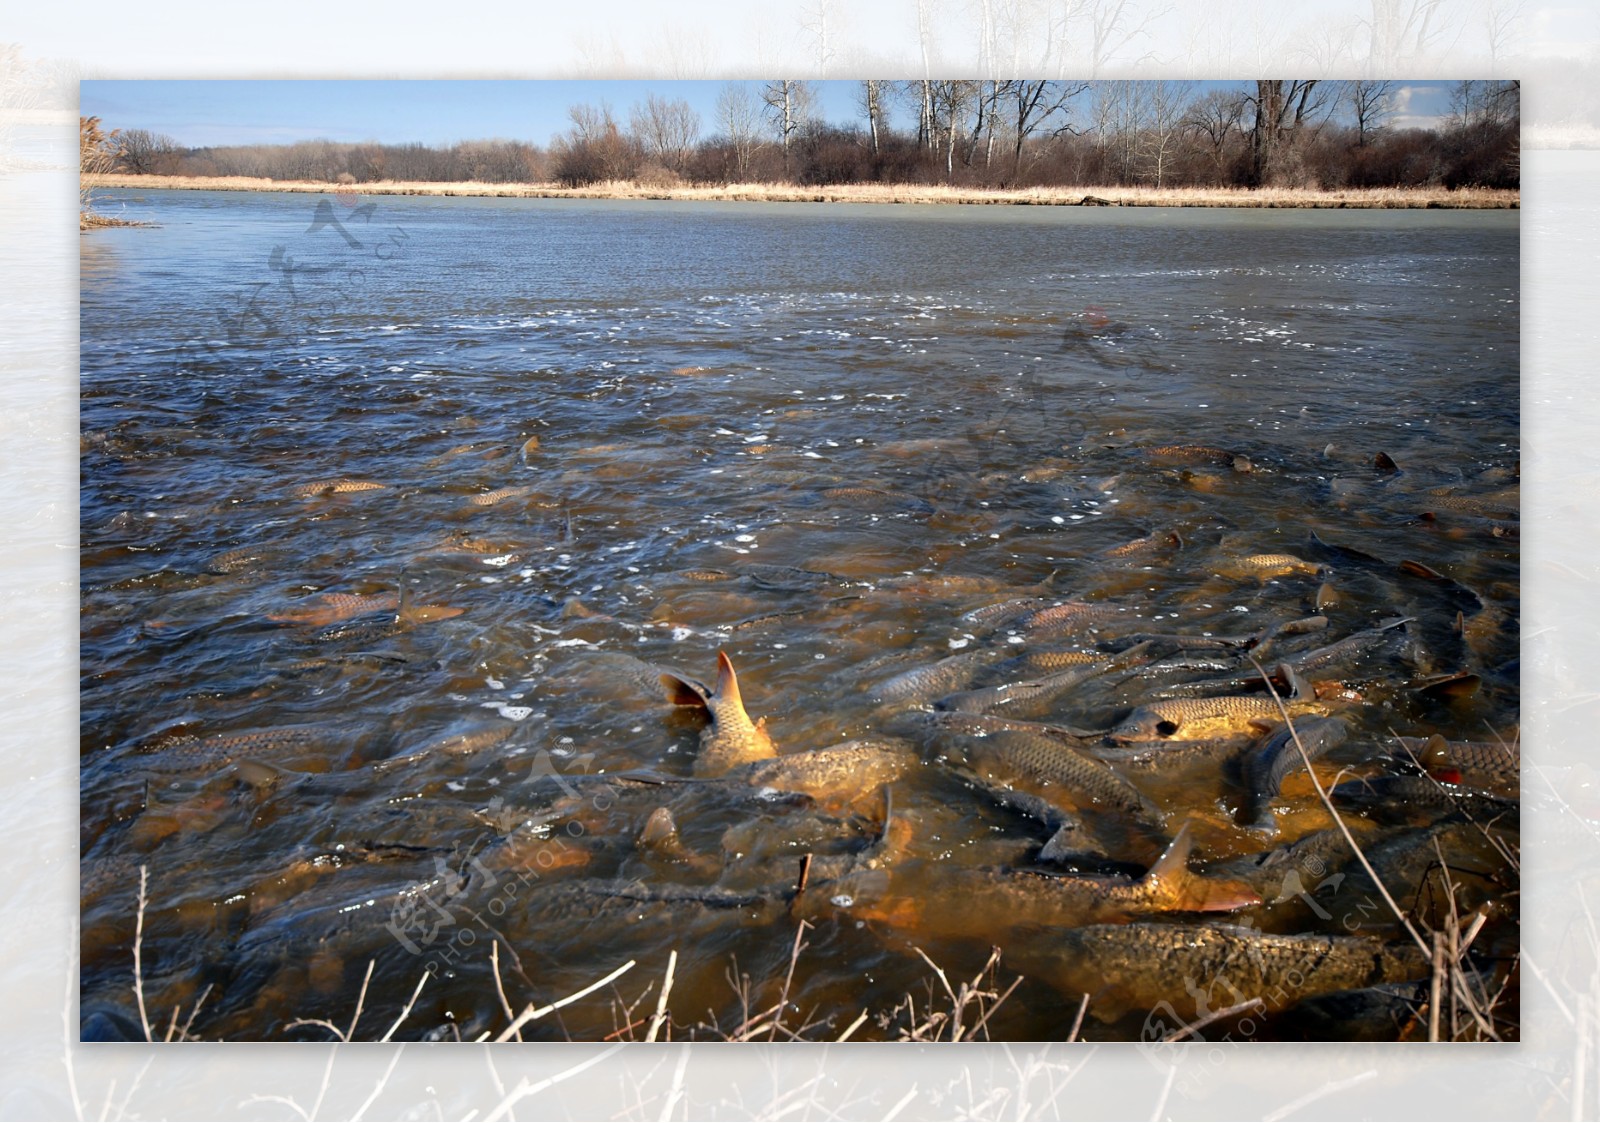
406, 612
684, 692
660, 832
1188, 892
1173, 865
1435, 753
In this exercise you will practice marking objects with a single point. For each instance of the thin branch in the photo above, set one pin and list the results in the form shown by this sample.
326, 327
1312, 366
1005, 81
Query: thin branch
1334, 812
1328, 1089
499, 984
1077, 1023
383, 1081
661, 999
138, 966
788, 979
852, 1027
530, 1014
524, 1088
406, 1013
676, 1092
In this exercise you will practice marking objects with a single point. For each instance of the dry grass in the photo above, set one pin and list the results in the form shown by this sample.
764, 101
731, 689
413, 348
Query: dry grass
89, 220
1460, 1004
1291, 198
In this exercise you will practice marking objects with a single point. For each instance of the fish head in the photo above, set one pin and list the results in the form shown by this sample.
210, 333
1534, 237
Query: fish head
1144, 724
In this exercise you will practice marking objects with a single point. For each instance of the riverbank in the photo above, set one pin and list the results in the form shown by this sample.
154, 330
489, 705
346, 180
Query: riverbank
1275, 197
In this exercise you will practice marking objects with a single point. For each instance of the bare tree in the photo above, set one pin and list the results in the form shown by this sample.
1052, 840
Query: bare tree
820, 21
145, 152
1403, 31
1168, 104
666, 130
1283, 111
791, 106
921, 91
1215, 117
1032, 105
1370, 101
594, 149
954, 101
1119, 115
1502, 20
870, 101
1106, 30
739, 119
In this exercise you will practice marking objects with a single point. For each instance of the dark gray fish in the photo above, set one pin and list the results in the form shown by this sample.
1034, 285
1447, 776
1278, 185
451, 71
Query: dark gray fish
1035, 697
1400, 799
1056, 772
245, 557
1277, 756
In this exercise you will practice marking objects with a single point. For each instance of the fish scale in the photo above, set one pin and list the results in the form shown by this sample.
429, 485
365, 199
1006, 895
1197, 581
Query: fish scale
1270, 763
921, 684
1145, 965
1189, 719
1028, 758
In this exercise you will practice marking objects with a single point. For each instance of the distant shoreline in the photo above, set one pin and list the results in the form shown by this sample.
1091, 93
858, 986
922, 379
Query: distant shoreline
1390, 198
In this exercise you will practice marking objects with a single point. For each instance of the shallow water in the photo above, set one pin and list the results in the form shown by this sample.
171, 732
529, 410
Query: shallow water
701, 379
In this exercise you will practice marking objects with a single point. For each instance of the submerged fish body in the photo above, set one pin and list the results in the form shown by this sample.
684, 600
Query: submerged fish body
1399, 799
1199, 454
989, 903
925, 683
499, 495
331, 608
1188, 971
339, 486
1277, 756
731, 738
1494, 765
1070, 619
1063, 776
837, 773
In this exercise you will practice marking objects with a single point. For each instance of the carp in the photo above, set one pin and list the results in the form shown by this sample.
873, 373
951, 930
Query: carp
731, 738
1191, 719
1185, 969
1264, 567
977, 902
1270, 762
335, 487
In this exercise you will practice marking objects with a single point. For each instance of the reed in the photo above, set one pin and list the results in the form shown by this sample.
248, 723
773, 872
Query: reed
1386, 198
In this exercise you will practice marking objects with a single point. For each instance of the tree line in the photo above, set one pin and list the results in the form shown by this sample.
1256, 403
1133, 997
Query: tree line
979, 133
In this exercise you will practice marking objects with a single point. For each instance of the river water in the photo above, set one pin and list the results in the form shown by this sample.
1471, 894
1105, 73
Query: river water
811, 437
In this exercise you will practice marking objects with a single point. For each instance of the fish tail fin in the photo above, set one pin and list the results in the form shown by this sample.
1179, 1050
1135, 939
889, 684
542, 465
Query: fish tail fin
728, 683
1186, 891
684, 692
1296, 685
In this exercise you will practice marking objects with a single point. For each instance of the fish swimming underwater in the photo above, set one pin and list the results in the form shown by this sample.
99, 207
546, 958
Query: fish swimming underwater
978, 902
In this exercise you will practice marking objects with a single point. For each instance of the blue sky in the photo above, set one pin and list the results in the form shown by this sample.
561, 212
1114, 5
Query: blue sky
204, 113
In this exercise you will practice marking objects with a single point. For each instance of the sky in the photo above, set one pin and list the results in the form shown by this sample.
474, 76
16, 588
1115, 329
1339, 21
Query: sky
210, 113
